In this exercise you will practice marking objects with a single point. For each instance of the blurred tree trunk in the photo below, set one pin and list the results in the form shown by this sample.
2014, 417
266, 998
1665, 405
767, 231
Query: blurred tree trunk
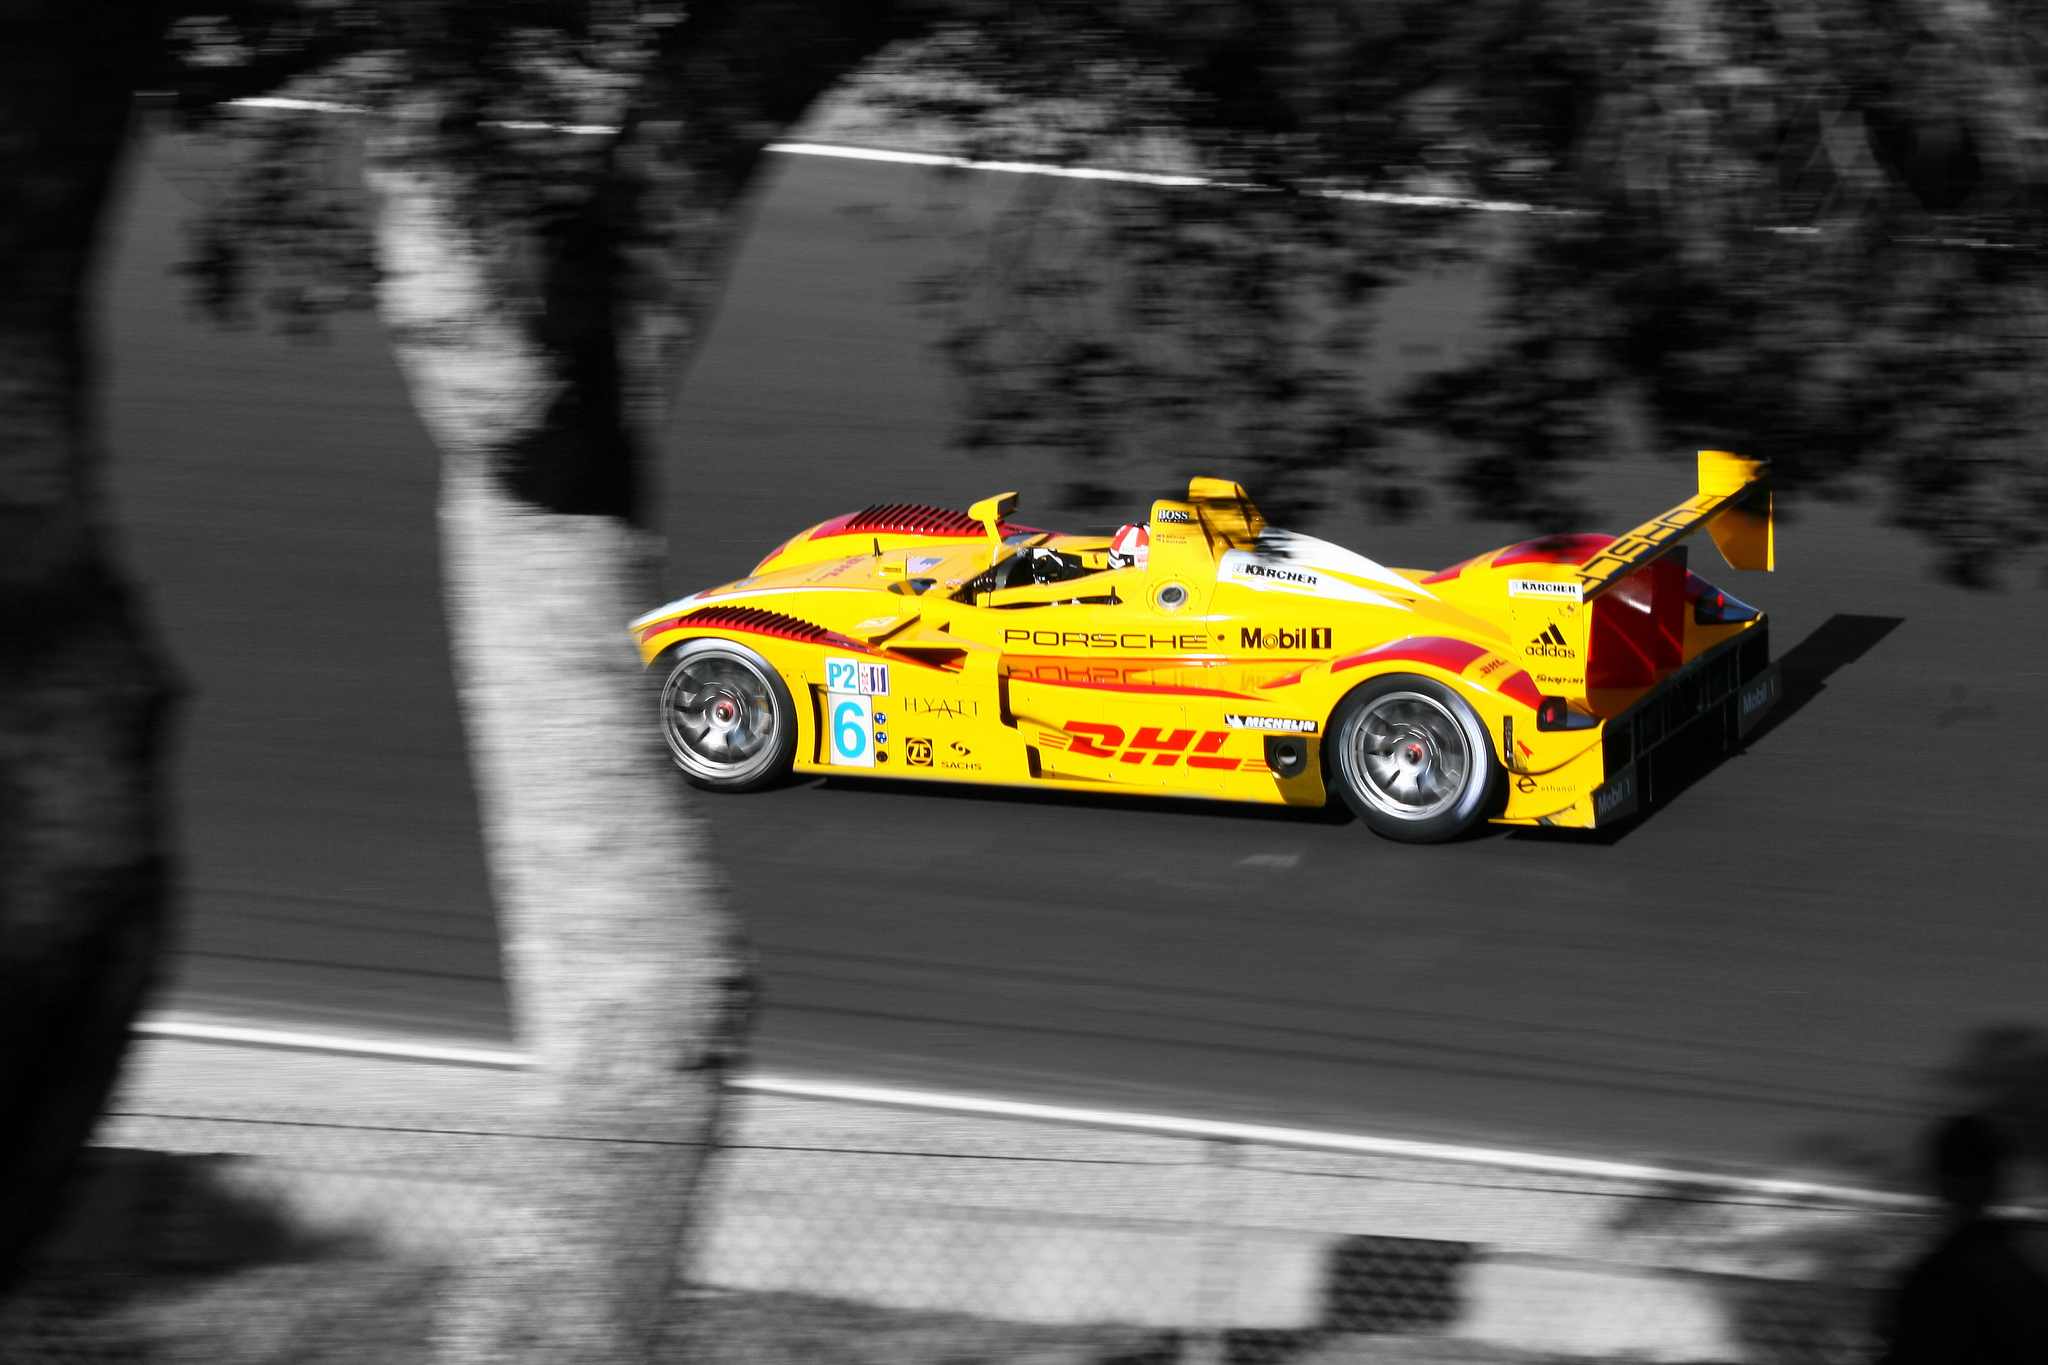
541, 353
83, 886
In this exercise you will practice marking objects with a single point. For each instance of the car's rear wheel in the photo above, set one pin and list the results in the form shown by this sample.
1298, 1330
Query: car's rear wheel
1412, 759
727, 716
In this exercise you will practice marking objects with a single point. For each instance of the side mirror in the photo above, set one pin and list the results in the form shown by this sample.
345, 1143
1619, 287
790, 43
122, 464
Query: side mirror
990, 513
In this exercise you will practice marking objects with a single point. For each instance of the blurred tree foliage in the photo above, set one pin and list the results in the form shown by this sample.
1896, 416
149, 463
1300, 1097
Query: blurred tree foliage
1807, 231
1804, 229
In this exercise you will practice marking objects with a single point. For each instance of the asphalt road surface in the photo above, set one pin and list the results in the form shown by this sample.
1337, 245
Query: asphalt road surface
1786, 951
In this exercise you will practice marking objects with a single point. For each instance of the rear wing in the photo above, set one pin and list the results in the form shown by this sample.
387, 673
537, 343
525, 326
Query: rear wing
1617, 625
1734, 504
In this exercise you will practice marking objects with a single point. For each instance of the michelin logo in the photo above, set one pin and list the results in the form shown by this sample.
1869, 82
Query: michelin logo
1538, 587
1280, 724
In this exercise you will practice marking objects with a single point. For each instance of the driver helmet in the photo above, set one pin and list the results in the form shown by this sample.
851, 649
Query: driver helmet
1130, 545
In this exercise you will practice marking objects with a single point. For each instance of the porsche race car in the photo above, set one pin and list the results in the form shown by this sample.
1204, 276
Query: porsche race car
1207, 654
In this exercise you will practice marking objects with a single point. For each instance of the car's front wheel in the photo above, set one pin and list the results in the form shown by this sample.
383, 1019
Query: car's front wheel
727, 716
1412, 759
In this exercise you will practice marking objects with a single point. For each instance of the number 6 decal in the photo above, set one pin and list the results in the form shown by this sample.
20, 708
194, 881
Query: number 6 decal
850, 730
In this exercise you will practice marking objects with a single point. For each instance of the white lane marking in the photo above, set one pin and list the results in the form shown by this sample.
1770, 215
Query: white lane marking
990, 1106
1429, 201
841, 150
1177, 1126
845, 152
303, 106
253, 1036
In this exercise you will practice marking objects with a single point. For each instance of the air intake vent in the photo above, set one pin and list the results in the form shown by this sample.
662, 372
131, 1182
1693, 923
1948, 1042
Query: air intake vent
755, 621
907, 519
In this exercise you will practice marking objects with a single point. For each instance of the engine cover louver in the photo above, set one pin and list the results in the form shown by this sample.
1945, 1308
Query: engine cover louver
910, 519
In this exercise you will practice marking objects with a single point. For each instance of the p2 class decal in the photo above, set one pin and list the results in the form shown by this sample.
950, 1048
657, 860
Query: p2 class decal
1541, 587
857, 676
1275, 724
850, 730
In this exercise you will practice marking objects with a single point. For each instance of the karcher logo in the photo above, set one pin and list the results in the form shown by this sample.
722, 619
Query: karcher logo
1551, 644
1275, 574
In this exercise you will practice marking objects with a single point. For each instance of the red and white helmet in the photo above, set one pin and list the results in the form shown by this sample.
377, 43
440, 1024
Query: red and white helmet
1131, 545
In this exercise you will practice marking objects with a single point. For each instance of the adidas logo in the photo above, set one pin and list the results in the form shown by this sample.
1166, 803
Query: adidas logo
1550, 644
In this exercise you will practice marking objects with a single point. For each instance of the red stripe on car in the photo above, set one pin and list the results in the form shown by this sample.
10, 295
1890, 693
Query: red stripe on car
1446, 575
1575, 550
1441, 651
1134, 687
1521, 688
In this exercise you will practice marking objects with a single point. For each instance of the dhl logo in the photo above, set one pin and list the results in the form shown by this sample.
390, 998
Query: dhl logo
1163, 748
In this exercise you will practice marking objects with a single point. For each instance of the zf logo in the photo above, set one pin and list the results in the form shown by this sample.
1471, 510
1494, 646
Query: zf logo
1550, 645
1306, 637
920, 753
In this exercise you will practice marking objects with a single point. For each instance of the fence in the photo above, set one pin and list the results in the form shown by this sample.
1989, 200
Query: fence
275, 1206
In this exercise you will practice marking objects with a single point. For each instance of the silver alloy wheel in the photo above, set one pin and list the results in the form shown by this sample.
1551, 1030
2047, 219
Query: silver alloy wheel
1407, 755
718, 714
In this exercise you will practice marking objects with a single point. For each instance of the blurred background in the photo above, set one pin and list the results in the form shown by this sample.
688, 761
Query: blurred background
1425, 286
1789, 953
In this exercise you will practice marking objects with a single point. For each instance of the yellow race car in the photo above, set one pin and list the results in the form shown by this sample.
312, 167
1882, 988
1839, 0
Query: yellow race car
1205, 653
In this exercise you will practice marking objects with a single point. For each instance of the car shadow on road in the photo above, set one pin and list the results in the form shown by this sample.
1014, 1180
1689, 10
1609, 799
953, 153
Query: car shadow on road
1803, 672
1335, 813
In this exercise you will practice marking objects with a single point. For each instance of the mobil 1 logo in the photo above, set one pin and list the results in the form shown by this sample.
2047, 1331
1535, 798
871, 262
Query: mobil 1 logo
1285, 637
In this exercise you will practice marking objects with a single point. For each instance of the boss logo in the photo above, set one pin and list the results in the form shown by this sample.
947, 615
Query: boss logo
1173, 515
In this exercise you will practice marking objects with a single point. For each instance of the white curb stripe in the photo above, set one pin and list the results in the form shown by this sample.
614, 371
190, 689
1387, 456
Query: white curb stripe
845, 152
1176, 1126
250, 1035
834, 149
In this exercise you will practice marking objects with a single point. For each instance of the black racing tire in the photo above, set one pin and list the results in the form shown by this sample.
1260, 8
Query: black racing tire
1412, 759
727, 716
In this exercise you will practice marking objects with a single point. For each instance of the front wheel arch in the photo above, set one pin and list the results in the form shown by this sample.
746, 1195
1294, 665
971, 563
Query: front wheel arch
759, 690
1412, 800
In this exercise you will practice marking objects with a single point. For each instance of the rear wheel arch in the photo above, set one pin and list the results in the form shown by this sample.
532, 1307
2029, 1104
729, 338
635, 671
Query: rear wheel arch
1443, 779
